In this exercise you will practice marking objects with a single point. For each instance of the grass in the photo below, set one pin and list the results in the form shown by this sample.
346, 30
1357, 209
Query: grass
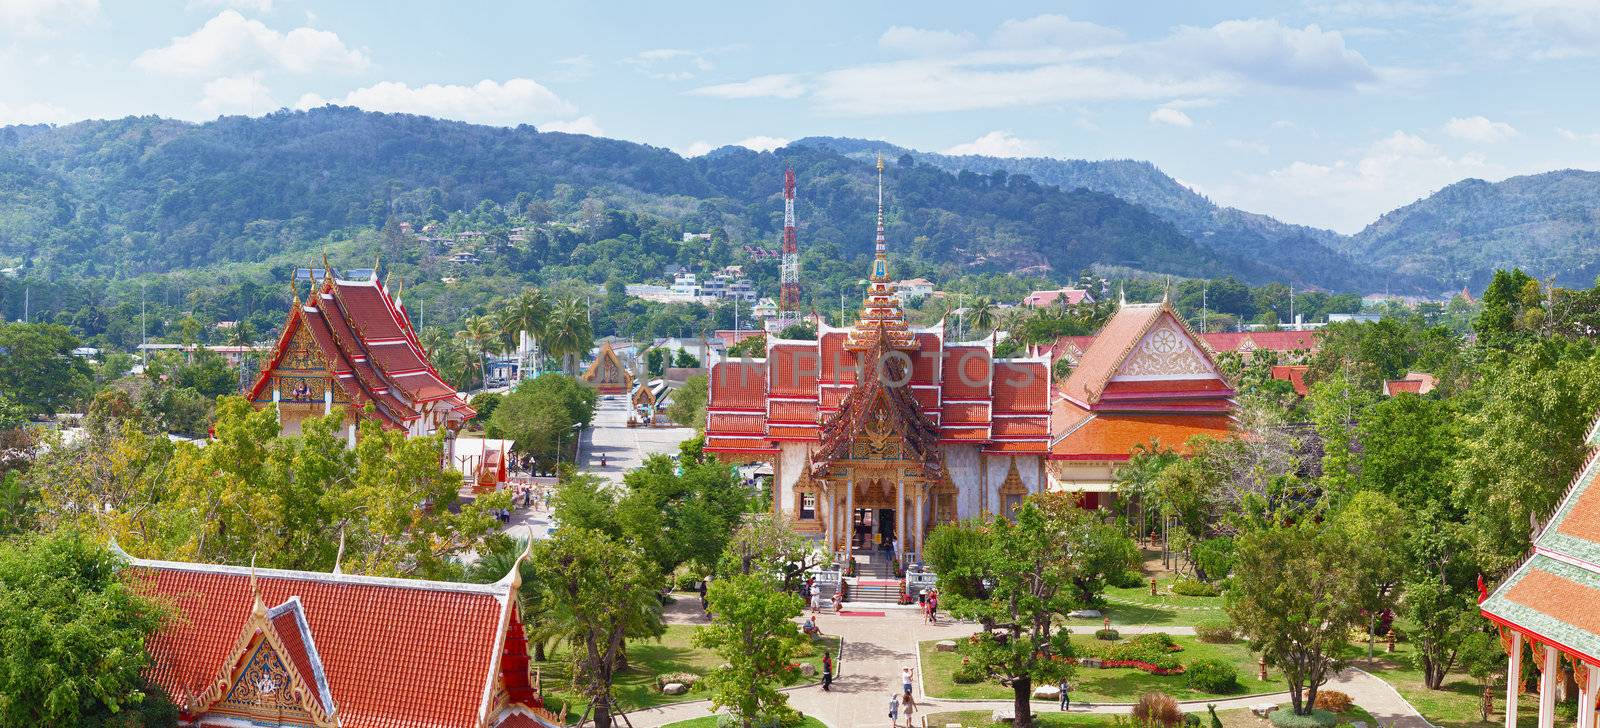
710, 721
1110, 685
1046, 718
1456, 704
1128, 606
674, 652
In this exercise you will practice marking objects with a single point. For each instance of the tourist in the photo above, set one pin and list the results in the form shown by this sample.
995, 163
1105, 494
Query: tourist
838, 601
907, 707
894, 711
1066, 689
905, 680
827, 671
810, 628
933, 607
816, 603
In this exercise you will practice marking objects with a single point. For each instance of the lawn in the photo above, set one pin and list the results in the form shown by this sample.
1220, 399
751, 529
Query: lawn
636, 688
1105, 685
1136, 606
1047, 718
1456, 705
710, 721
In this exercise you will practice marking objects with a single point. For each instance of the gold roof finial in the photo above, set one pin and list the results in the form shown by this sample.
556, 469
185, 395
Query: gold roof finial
258, 605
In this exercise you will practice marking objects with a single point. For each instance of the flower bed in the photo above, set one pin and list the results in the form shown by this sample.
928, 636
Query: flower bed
1152, 653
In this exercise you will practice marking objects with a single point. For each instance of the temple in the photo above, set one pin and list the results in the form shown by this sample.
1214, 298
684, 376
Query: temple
881, 430
608, 375
349, 345
1548, 602
268, 647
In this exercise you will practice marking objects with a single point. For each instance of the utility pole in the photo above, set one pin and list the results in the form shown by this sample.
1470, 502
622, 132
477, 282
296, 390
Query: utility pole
1204, 284
141, 317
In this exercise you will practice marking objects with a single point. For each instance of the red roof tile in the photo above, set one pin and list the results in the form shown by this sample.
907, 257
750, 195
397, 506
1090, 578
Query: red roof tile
966, 373
1294, 374
739, 385
1103, 357
1021, 386
395, 652
1284, 341
1114, 435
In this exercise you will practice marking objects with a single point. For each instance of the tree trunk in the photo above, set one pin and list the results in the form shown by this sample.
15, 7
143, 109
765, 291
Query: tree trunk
1021, 702
1372, 627
602, 715
538, 651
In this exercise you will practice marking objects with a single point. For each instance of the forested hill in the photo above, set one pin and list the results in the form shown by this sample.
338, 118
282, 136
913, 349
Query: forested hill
1548, 224
141, 194
1225, 229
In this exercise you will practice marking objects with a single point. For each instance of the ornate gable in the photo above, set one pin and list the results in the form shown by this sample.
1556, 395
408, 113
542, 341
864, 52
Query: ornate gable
1166, 351
274, 674
607, 373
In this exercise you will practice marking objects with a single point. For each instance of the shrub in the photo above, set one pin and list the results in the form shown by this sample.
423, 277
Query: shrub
1212, 676
1107, 634
967, 674
687, 678
1157, 709
1333, 701
1194, 588
1152, 653
1214, 631
1127, 579
1191, 720
1286, 718
1213, 557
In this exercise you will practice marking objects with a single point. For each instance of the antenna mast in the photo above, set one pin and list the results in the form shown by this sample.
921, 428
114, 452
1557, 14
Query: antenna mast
789, 290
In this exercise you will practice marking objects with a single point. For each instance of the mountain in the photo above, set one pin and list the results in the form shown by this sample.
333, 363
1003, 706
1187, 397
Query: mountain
1296, 253
149, 194
1544, 223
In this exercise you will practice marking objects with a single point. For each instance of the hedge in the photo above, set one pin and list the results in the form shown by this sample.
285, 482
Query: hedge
1212, 676
1286, 718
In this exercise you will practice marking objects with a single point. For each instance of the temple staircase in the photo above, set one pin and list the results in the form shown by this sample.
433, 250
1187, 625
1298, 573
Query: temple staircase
875, 582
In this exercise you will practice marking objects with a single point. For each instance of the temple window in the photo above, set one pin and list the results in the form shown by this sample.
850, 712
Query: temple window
808, 506
1012, 491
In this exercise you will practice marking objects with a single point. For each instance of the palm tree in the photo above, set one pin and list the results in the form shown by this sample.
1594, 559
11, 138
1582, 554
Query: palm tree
530, 312
479, 334
983, 314
569, 334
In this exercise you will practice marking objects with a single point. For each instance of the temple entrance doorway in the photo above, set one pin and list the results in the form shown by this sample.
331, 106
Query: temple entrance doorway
885, 528
873, 529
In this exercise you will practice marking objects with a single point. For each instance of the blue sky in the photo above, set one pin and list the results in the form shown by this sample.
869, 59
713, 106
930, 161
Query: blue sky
1322, 112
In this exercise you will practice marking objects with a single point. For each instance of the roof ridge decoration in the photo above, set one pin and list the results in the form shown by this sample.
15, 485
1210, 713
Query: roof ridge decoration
496, 589
1153, 312
899, 409
251, 677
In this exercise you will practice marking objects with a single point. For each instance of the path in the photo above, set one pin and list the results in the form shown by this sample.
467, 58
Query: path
624, 447
1379, 698
875, 648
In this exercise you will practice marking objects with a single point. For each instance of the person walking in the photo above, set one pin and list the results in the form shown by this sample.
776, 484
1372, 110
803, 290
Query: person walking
894, 711
816, 603
908, 706
1066, 690
905, 680
933, 607
827, 671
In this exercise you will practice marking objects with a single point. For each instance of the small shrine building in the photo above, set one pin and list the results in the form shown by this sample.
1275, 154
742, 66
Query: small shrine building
1551, 602
259, 648
608, 375
348, 345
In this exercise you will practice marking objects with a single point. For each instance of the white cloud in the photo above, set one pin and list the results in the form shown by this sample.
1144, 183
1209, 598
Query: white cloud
516, 101
241, 94
573, 68
1051, 59
1051, 30
998, 144
1171, 117
669, 64
920, 41
232, 42
778, 86
34, 112
696, 149
44, 17
1479, 129
580, 125
1554, 28
1348, 193
1592, 137
762, 143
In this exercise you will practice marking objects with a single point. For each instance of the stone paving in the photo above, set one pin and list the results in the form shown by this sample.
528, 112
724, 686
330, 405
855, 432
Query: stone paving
624, 448
876, 648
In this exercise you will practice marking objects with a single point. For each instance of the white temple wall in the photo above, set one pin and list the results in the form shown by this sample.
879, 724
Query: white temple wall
962, 460
791, 463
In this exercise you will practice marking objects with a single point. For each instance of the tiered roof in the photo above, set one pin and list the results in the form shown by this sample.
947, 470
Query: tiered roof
1551, 596
1144, 376
358, 651
370, 348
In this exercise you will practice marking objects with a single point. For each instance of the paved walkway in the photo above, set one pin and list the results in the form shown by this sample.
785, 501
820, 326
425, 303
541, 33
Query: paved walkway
1386, 705
875, 649
624, 448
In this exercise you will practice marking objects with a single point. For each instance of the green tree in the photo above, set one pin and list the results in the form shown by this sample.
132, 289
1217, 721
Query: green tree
754, 347
542, 414
681, 514
38, 370
752, 629
597, 583
1017, 579
688, 404
1295, 596
1375, 529
569, 335
72, 633
1510, 310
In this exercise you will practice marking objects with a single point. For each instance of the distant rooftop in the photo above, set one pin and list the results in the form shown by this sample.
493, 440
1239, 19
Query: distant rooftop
315, 274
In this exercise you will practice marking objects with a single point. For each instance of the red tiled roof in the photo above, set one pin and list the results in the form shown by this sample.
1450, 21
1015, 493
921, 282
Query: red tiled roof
1101, 360
1294, 374
724, 423
1309, 341
1114, 435
966, 372
965, 413
1074, 297
395, 652
793, 370
792, 412
1414, 383
716, 443
738, 385
1021, 386
1014, 447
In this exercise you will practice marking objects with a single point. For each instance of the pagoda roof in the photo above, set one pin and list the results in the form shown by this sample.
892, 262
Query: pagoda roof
1120, 351
371, 348
1551, 595
380, 652
918, 433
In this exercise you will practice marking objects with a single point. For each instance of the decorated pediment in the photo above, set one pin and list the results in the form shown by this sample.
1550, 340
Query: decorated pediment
1166, 351
879, 438
608, 371
273, 676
